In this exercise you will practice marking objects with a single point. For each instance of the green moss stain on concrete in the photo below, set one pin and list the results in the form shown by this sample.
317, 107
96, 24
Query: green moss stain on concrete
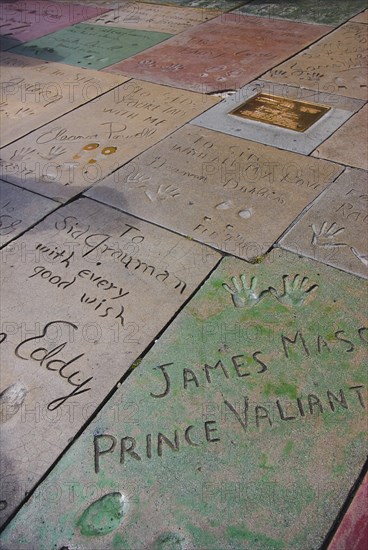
102, 516
258, 541
245, 406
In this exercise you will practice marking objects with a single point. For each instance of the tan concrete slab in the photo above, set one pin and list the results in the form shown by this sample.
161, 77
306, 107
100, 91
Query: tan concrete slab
243, 428
336, 64
334, 230
361, 18
82, 295
154, 17
34, 92
198, 60
72, 153
348, 144
237, 195
19, 210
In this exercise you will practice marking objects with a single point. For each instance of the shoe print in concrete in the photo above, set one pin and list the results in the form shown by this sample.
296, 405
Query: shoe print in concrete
243, 427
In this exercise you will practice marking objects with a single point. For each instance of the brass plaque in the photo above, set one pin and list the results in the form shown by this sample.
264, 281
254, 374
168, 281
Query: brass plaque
281, 111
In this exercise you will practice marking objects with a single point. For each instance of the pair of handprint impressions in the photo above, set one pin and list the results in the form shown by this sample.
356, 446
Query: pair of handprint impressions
294, 292
328, 237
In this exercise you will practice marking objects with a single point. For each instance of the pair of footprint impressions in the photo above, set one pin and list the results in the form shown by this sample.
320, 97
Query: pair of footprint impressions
93, 149
293, 293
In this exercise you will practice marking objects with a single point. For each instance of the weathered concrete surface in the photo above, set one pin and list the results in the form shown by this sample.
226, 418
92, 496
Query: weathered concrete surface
349, 144
214, 440
333, 230
197, 60
235, 195
328, 12
25, 20
335, 64
154, 17
35, 92
19, 210
65, 157
83, 294
220, 117
90, 46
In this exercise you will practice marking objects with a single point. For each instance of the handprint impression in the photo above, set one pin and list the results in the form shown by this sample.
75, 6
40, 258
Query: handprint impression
242, 294
294, 292
324, 237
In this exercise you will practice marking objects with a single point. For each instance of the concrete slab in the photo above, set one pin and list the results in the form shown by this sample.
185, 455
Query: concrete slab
85, 291
353, 529
236, 195
35, 92
19, 210
223, 5
231, 410
197, 60
65, 157
335, 64
154, 17
90, 46
361, 18
349, 144
333, 231
24, 20
330, 12
221, 118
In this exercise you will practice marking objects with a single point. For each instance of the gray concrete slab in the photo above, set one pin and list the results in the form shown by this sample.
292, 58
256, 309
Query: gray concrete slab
220, 118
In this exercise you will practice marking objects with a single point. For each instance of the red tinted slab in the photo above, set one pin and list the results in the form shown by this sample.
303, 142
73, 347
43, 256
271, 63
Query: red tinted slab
224, 53
352, 533
30, 19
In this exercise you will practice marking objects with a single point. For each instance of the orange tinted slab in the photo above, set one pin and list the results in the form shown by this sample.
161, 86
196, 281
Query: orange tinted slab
197, 60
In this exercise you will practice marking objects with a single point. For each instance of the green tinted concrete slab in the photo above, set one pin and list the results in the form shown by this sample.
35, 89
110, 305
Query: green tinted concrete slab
91, 46
328, 12
244, 426
334, 230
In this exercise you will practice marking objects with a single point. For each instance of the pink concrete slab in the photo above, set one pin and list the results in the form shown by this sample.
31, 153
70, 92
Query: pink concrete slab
224, 53
153, 17
349, 144
28, 19
352, 533
336, 64
361, 18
